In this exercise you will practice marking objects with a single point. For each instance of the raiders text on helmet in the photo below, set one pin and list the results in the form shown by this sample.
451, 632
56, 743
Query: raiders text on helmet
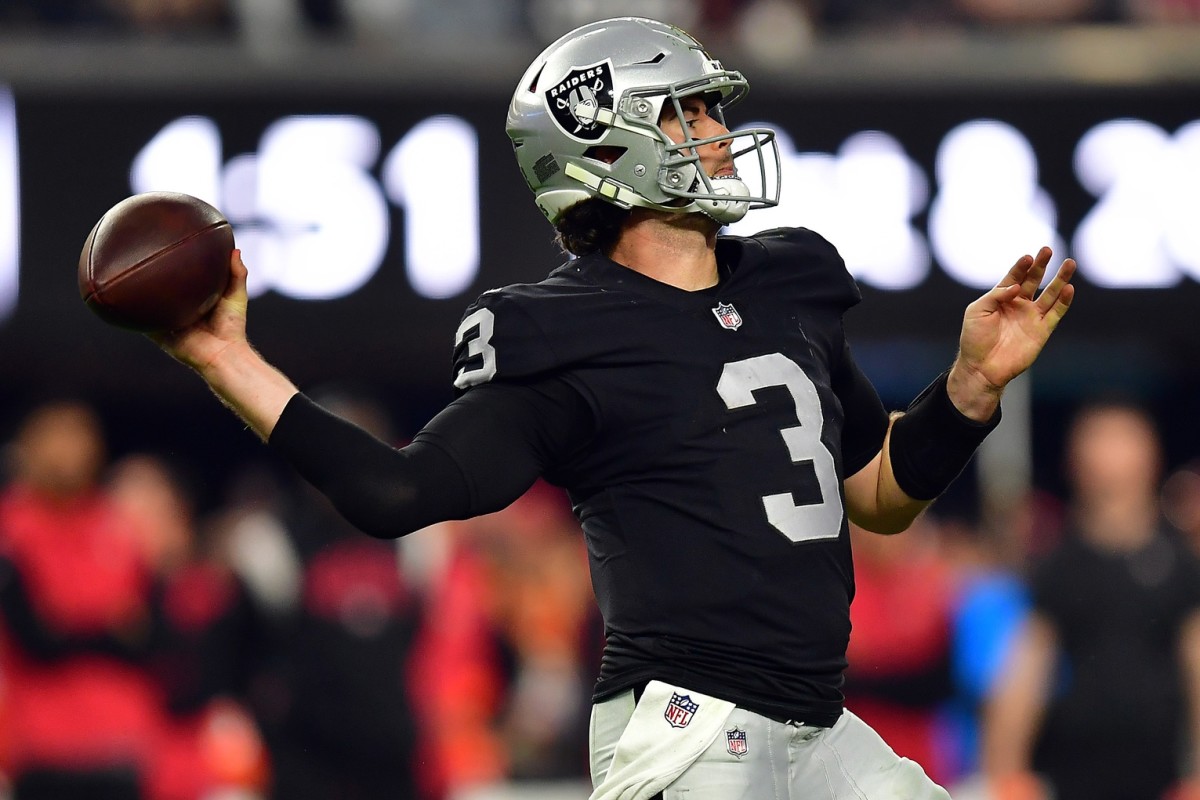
605, 85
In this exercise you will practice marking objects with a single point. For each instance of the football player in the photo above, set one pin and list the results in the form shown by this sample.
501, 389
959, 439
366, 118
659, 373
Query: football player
696, 396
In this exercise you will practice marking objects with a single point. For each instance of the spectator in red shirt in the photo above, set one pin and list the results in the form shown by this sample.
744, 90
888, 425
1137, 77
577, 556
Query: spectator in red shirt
81, 709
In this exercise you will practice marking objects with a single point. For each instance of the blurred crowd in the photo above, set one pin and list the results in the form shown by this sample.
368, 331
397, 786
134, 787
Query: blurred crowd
746, 24
262, 648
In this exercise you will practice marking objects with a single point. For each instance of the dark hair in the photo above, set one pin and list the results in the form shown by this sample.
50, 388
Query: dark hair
590, 226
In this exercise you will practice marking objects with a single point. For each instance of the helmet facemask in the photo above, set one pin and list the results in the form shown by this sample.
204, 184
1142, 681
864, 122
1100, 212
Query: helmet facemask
726, 198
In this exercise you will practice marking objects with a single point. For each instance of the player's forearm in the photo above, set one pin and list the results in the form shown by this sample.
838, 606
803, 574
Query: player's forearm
897, 508
253, 389
875, 501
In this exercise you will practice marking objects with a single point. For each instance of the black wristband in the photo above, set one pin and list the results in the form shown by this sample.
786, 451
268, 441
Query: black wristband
932, 443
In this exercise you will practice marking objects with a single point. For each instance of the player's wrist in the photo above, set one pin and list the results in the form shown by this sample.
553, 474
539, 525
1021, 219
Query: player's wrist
231, 360
972, 394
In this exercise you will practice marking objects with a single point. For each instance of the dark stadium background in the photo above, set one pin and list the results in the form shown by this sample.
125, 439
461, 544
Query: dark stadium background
77, 144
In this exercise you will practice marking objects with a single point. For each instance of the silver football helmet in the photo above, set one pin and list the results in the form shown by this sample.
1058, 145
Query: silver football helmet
598, 92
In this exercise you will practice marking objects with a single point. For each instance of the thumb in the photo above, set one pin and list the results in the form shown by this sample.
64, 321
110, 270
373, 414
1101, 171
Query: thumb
236, 298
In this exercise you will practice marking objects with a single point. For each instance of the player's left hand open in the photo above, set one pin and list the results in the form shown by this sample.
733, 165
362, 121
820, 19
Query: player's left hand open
1004, 331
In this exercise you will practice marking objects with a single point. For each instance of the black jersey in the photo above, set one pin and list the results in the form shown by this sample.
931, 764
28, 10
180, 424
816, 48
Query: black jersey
711, 491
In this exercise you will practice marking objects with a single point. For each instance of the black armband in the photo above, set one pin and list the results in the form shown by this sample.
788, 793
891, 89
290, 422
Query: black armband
932, 443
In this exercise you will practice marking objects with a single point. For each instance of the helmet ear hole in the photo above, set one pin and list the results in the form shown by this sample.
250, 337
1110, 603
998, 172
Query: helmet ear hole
607, 154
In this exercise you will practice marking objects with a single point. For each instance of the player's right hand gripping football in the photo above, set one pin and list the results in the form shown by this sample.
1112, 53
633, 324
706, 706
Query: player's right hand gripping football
217, 348
200, 345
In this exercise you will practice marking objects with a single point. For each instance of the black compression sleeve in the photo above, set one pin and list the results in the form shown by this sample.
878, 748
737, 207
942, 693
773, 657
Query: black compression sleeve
478, 455
503, 436
932, 443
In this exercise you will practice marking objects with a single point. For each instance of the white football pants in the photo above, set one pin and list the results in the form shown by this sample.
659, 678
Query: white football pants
722, 752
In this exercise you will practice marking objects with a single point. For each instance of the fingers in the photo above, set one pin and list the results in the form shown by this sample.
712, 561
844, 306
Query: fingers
996, 297
1017, 274
1028, 272
1022, 282
1037, 270
1055, 299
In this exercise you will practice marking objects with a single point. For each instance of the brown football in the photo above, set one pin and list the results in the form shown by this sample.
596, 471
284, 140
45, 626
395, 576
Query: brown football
157, 261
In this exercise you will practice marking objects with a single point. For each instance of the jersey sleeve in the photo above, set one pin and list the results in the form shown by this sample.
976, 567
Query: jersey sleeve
809, 262
498, 339
865, 420
476, 456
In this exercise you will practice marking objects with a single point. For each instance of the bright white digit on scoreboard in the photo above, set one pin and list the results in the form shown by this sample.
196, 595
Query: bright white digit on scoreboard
434, 174
862, 199
10, 196
1145, 230
989, 206
308, 212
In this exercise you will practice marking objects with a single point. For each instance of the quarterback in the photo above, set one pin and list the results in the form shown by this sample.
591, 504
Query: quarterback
696, 396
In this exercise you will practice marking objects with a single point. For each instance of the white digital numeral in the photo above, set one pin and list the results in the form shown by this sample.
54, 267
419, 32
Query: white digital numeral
736, 387
989, 204
434, 174
863, 199
185, 156
480, 345
1142, 233
309, 215
328, 213
10, 197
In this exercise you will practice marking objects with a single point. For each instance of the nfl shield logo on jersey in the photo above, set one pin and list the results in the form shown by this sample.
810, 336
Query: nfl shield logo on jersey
735, 742
728, 316
680, 710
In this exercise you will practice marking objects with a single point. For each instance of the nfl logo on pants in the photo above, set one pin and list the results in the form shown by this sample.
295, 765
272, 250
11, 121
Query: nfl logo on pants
680, 710
735, 742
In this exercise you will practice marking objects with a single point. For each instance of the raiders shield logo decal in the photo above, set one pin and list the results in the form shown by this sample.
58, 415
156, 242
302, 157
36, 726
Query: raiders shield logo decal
583, 87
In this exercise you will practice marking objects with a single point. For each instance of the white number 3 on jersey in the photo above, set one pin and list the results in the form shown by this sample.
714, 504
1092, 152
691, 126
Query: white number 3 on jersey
480, 345
739, 379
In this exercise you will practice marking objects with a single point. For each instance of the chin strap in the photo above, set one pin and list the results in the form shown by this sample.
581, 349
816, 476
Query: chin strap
726, 211
607, 188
